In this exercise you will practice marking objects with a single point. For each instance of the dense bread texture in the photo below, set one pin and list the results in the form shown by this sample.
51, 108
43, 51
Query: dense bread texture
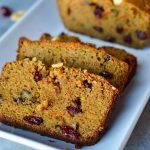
78, 55
60, 102
127, 23
116, 52
121, 54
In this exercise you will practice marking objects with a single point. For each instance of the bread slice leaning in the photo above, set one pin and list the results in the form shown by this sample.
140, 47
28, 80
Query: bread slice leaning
60, 102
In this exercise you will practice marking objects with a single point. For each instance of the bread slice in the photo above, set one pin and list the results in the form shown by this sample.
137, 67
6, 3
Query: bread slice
127, 23
78, 55
116, 52
121, 54
60, 102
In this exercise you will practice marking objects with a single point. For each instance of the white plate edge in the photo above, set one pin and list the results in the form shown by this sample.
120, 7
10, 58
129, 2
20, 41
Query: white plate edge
130, 130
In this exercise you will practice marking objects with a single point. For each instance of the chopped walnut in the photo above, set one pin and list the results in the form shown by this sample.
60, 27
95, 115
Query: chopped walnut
34, 59
55, 39
113, 88
17, 15
42, 106
85, 71
58, 65
117, 2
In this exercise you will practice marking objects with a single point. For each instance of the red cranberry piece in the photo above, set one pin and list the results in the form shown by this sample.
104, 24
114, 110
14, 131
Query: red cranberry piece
38, 76
119, 30
98, 29
107, 58
62, 34
87, 84
98, 11
141, 35
77, 101
73, 110
19, 100
69, 11
6, 12
110, 39
128, 39
33, 120
70, 132
106, 75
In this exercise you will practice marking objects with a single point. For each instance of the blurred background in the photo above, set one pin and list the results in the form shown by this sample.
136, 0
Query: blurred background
11, 11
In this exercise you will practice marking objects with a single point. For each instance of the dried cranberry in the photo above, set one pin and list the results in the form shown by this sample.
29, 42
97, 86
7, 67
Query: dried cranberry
70, 132
33, 120
128, 39
73, 110
87, 84
106, 75
107, 58
6, 12
62, 33
141, 35
38, 76
69, 11
77, 101
98, 29
19, 100
119, 30
110, 39
98, 11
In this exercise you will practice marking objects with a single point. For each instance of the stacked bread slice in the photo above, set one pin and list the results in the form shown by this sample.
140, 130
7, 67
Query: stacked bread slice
63, 89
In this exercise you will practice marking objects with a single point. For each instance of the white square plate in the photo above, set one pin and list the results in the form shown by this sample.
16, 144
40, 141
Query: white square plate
44, 17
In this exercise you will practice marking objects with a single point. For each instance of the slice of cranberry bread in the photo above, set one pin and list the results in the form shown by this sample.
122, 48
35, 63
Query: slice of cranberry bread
127, 23
78, 55
116, 52
60, 102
